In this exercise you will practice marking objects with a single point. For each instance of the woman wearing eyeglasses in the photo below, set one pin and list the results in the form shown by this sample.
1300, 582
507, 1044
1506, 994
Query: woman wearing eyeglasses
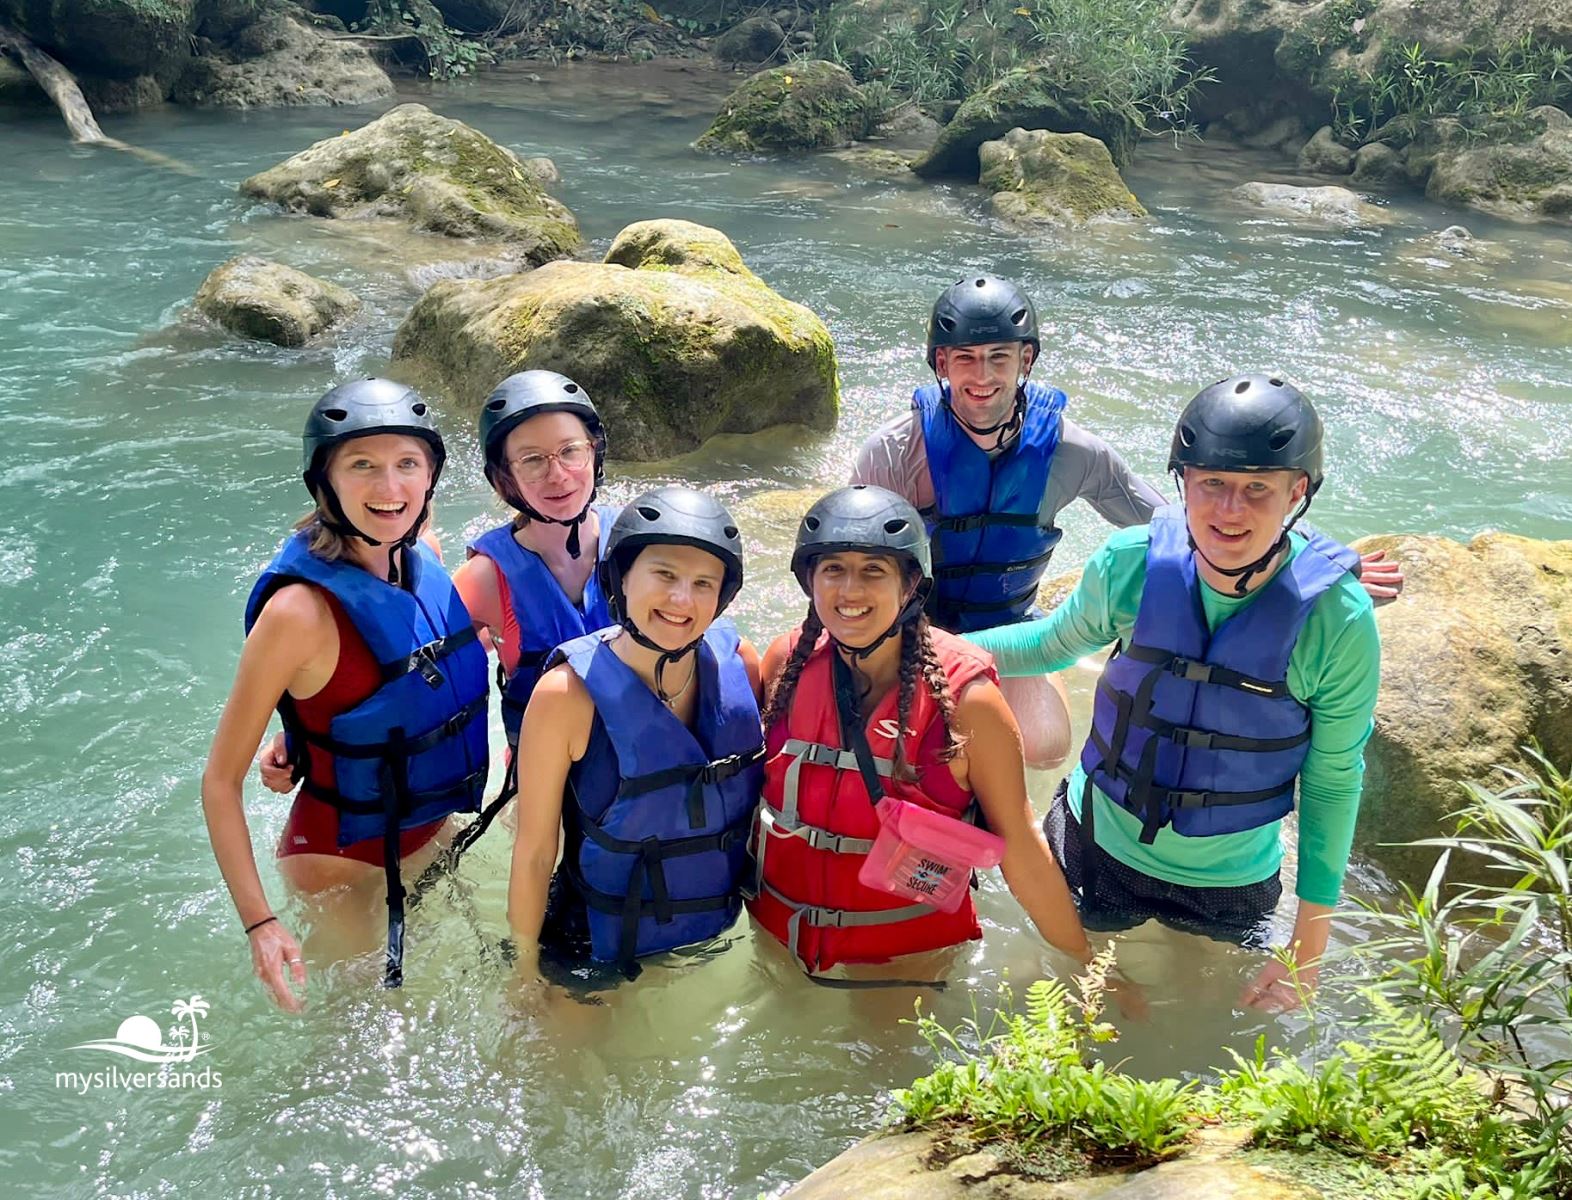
531, 582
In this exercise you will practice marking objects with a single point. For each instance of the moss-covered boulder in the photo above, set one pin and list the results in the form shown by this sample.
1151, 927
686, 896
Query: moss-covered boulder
269, 302
124, 39
439, 174
1325, 155
1319, 205
280, 62
672, 335
1476, 660
1042, 178
805, 106
1529, 179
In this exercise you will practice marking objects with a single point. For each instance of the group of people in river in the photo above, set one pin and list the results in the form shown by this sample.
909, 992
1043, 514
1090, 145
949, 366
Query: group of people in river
846, 787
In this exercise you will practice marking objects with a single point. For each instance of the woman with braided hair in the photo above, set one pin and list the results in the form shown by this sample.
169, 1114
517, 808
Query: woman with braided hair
872, 715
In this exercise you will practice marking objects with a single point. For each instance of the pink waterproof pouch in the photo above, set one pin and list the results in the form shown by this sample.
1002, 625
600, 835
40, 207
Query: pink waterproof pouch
926, 856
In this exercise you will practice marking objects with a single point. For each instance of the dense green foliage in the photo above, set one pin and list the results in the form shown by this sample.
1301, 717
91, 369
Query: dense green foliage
1457, 1088
1115, 56
1488, 91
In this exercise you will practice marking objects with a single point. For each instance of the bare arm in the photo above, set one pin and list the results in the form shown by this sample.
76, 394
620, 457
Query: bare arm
294, 643
476, 583
996, 773
750, 663
554, 735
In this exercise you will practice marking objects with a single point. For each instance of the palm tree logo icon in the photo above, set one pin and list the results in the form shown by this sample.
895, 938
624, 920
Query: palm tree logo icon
140, 1037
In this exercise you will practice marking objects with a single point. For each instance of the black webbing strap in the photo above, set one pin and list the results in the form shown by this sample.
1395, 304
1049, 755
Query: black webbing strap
632, 907
972, 522
466, 837
695, 776
409, 747
361, 808
848, 709
425, 659
1200, 672
1190, 737
963, 570
395, 779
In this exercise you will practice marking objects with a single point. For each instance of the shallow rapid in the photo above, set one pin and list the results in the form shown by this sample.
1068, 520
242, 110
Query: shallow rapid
152, 466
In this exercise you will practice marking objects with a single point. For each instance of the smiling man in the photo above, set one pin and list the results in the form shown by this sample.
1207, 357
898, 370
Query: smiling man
1247, 662
989, 459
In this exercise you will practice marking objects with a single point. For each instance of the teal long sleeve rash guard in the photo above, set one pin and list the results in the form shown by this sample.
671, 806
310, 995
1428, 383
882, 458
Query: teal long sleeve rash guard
1334, 671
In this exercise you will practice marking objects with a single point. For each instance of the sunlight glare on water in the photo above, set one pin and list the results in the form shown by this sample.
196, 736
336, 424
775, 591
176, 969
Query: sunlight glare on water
151, 467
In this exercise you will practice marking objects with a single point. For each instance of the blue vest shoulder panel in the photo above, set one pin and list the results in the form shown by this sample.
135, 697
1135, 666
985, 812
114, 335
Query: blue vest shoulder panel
1197, 728
415, 750
545, 616
659, 814
989, 548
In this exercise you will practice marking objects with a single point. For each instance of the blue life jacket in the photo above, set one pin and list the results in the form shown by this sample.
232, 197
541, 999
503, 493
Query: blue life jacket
415, 750
657, 815
990, 548
545, 616
1197, 728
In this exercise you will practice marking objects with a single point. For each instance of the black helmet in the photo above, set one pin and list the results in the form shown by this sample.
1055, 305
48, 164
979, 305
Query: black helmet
671, 516
980, 310
1249, 423
529, 394
862, 518
361, 408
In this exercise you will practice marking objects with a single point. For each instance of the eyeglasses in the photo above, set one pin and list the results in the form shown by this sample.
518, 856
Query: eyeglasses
575, 456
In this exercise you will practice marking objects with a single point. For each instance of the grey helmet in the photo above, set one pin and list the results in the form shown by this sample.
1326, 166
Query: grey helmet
980, 310
867, 520
1249, 423
669, 516
361, 408
529, 394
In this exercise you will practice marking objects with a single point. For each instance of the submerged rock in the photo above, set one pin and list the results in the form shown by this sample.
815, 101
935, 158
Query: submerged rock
1329, 205
439, 174
672, 334
1476, 661
1028, 97
1039, 177
1325, 155
269, 302
805, 106
1526, 179
280, 62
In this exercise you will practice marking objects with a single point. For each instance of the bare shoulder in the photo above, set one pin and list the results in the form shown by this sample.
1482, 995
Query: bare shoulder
980, 707
750, 661
295, 610
475, 580
775, 657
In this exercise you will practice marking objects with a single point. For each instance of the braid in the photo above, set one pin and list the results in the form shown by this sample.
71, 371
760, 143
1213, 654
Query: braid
910, 654
939, 686
785, 685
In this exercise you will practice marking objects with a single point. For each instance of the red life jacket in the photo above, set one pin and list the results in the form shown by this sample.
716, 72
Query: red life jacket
817, 822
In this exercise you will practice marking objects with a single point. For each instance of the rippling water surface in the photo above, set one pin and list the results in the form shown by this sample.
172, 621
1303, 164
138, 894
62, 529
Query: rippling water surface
150, 466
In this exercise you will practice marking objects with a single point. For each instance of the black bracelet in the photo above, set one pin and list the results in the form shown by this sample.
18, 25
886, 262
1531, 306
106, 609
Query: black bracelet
259, 924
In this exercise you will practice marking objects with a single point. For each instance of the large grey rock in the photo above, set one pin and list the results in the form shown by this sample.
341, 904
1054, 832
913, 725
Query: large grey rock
270, 302
1323, 205
438, 174
1040, 178
280, 62
806, 105
1476, 660
756, 40
1028, 97
1529, 179
1325, 155
1379, 165
674, 337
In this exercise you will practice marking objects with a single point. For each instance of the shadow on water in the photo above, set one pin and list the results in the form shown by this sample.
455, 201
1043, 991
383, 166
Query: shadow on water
152, 464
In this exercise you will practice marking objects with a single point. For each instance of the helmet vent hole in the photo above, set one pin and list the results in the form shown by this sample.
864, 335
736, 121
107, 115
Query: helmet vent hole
811, 524
418, 409
649, 513
496, 405
981, 281
1018, 317
1187, 435
730, 531
335, 414
947, 324
896, 525
571, 388
1280, 439
1241, 387
1275, 382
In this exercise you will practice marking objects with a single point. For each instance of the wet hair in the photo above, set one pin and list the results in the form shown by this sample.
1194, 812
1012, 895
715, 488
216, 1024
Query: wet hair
328, 544
918, 657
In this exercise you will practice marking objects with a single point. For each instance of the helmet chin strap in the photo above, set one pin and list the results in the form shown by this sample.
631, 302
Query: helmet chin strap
667, 657
573, 523
1242, 575
336, 521
1006, 429
909, 613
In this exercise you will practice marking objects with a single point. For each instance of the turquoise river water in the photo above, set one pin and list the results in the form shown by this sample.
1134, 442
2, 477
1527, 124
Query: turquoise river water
152, 467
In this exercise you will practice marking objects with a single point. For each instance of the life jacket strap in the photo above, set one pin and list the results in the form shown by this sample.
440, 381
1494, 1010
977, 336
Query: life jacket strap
366, 807
816, 837
972, 522
425, 659
1190, 737
820, 917
964, 570
407, 746
1201, 672
697, 776
632, 907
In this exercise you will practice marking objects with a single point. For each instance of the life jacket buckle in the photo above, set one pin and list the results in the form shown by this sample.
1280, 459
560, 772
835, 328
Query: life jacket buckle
967, 524
1190, 799
1196, 739
1189, 669
426, 664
